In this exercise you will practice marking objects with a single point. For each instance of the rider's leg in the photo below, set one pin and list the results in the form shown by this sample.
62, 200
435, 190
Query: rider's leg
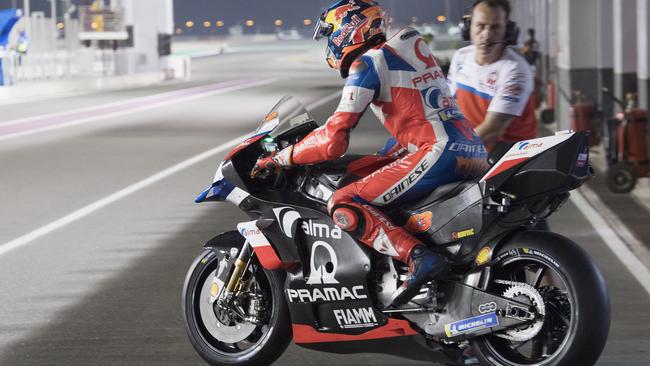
351, 210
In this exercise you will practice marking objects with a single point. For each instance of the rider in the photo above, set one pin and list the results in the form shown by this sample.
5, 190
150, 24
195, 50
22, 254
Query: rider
401, 81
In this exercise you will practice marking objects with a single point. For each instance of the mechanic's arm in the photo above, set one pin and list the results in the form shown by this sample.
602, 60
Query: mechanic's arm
493, 127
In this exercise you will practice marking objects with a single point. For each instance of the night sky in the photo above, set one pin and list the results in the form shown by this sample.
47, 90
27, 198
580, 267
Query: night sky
265, 12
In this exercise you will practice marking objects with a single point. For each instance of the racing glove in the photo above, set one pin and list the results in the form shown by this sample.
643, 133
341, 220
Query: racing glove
272, 163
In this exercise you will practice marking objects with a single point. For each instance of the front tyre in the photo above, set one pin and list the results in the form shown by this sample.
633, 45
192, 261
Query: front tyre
238, 343
544, 266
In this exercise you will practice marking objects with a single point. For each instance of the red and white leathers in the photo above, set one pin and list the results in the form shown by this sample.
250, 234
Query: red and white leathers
505, 86
402, 83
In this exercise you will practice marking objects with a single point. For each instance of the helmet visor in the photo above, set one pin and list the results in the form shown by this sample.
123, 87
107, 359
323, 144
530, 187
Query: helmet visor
322, 30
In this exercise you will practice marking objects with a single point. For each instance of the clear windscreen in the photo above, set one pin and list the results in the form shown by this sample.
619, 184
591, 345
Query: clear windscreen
286, 115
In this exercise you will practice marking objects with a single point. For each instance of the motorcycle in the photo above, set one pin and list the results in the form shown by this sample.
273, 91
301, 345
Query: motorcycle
514, 296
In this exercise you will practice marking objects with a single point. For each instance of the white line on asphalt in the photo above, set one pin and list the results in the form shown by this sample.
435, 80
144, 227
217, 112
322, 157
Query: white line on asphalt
610, 237
87, 210
126, 111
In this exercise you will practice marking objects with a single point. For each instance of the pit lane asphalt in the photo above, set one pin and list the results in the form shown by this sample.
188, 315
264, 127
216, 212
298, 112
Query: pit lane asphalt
105, 290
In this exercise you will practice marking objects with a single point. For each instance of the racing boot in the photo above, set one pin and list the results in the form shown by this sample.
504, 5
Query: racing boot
424, 265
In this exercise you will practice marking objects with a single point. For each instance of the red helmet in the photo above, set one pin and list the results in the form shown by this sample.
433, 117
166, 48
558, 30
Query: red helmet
352, 27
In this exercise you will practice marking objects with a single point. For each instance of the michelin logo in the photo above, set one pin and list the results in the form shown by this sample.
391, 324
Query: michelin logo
471, 324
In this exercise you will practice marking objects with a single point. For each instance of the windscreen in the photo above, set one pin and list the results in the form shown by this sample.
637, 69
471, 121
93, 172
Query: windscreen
287, 114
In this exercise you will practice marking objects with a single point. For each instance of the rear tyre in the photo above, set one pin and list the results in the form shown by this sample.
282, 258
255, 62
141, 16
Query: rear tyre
237, 343
576, 302
621, 178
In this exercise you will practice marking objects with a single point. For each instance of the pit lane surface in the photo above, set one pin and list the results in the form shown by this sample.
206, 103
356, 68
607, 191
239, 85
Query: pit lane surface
104, 287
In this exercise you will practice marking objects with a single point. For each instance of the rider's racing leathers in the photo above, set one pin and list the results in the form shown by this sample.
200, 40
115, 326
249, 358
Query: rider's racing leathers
404, 86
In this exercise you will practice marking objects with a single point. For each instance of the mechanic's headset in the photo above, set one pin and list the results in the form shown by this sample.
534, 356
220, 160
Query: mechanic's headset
510, 38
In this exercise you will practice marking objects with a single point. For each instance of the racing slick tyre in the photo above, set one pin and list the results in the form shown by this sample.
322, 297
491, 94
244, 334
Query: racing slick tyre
621, 178
556, 276
235, 341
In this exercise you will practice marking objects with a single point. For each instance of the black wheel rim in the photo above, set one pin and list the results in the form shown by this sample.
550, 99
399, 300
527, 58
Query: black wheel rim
257, 338
559, 302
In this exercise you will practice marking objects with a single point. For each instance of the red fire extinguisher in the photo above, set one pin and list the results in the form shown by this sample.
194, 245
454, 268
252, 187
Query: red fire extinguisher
548, 114
582, 115
627, 150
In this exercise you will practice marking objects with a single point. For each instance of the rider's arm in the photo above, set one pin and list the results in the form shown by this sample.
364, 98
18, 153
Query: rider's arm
513, 90
331, 140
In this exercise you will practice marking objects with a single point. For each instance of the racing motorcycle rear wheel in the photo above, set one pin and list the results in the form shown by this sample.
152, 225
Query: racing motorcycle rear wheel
222, 339
556, 276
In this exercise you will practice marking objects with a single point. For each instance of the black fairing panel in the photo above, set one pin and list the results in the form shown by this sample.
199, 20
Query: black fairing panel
328, 290
456, 216
560, 169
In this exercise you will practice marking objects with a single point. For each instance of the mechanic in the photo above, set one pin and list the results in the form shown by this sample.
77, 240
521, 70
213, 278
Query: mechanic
402, 83
491, 82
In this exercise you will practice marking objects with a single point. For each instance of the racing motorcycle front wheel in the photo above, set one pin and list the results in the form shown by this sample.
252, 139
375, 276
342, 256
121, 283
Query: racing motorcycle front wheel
222, 335
557, 277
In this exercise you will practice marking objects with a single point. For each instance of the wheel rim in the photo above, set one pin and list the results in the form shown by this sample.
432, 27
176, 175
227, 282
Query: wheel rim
559, 301
623, 179
255, 336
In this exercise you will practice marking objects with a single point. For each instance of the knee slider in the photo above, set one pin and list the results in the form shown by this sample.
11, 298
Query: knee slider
347, 218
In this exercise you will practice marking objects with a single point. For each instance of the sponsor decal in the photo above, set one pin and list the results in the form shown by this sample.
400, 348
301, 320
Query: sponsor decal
419, 223
321, 230
483, 256
462, 234
510, 99
326, 294
426, 57
248, 232
323, 264
526, 145
582, 160
286, 217
449, 114
271, 116
347, 28
342, 11
514, 90
471, 324
412, 178
468, 148
355, 318
427, 77
492, 79
434, 98
383, 245
487, 307
379, 216
540, 254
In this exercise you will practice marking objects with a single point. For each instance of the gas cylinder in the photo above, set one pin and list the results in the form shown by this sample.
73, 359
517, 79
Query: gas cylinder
550, 94
582, 115
632, 146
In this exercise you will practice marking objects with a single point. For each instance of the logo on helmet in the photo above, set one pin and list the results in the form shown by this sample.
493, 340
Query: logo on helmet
346, 29
342, 11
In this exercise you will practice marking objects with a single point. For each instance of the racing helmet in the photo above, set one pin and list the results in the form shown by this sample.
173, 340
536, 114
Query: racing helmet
352, 27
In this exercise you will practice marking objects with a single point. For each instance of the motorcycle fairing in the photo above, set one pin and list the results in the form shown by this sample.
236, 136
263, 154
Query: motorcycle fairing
265, 253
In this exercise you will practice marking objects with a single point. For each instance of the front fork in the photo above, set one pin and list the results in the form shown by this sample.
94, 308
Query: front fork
226, 301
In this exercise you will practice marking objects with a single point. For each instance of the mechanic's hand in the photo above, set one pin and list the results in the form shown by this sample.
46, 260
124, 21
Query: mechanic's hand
264, 166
